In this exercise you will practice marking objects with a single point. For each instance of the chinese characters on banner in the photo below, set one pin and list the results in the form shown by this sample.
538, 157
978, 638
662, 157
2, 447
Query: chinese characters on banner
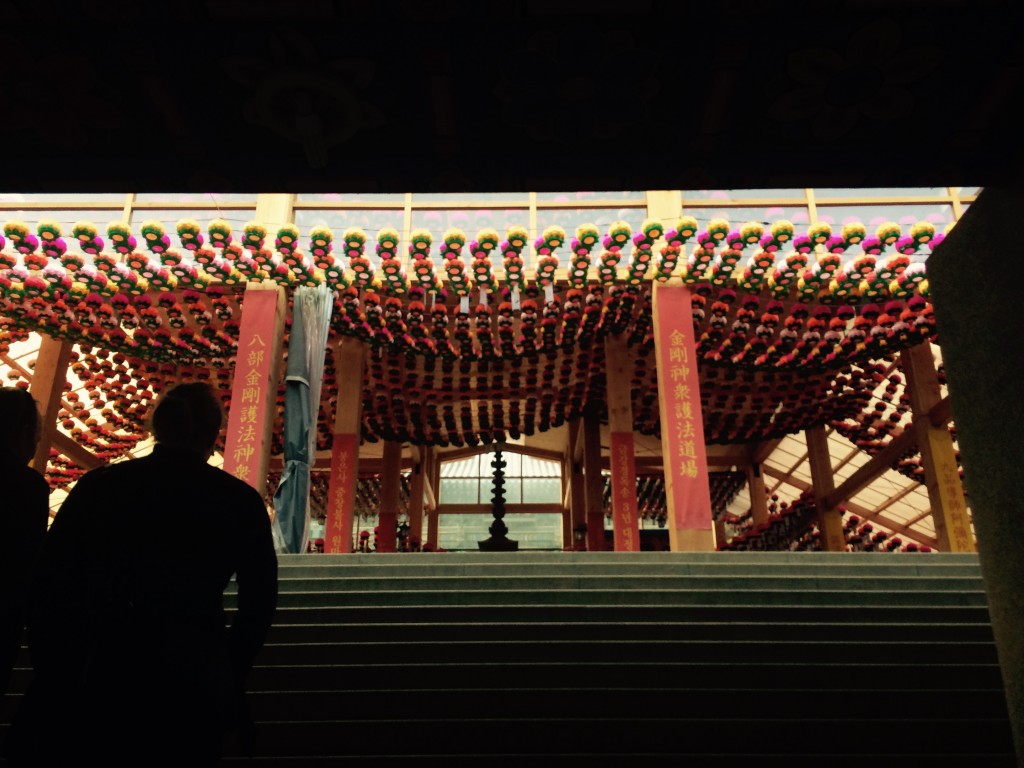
254, 388
341, 496
623, 471
960, 537
682, 427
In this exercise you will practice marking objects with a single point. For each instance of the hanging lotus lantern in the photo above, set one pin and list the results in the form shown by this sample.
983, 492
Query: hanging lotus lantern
220, 233
189, 234
667, 263
321, 243
50, 241
782, 232
718, 230
512, 248
587, 236
888, 233
853, 233
640, 263
922, 232
154, 236
393, 272
287, 239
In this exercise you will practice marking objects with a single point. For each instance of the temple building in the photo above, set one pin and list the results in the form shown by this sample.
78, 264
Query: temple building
669, 369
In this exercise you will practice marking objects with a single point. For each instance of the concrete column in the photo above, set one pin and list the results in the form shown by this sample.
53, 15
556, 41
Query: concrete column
978, 314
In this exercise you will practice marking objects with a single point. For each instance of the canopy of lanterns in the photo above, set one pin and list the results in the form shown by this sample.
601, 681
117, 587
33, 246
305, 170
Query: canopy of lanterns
468, 343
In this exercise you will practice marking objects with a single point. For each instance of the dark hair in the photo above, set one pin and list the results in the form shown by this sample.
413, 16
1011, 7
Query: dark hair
19, 415
187, 417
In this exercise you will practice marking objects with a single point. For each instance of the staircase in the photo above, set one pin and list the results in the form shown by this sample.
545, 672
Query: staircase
614, 659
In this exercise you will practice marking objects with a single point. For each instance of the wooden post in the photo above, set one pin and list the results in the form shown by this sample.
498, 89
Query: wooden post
720, 534
577, 490
621, 457
758, 498
941, 475
390, 482
416, 492
433, 481
46, 388
593, 480
830, 521
258, 371
349, 361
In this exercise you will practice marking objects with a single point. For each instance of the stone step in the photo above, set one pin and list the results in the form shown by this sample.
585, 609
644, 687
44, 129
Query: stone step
855, 673
669, 597
454, 651
794, 703
442, 613
624, 582
653, 733
649, 632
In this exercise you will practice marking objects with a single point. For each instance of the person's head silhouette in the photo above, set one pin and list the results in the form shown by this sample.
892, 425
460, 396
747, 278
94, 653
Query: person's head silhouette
20, 424
188, 419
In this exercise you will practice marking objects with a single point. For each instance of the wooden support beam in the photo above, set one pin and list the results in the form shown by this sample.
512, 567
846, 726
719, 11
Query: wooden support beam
523, 450
874, 468
942, 476
433, 489
46, 388
896, 526
758, 494
761, 451
78, 453
941, 413
618, 374
577, 490
549, 508
830, 521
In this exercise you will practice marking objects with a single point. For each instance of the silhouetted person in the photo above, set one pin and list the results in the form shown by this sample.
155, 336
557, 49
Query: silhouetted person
133, 661
24, 513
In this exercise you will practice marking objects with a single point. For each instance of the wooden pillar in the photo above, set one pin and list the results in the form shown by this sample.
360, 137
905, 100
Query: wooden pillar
941, 474
830, 521
593, 480
982, 345
390, 484
416, 492
433, 482
259, 368
577, 490
720, 534
687, 489
349, 361
621, 456
46, 388
758, 498
566, 503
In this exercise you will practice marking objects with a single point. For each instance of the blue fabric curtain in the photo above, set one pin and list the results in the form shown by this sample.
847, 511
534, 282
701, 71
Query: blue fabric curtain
311, 315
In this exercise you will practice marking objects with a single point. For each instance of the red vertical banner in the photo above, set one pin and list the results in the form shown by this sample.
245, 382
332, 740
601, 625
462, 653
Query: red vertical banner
624, 508
341, 498
254, 390
682, 426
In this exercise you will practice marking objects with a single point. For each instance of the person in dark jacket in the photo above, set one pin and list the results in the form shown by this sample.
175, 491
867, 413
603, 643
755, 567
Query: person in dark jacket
24, 515
133, 661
